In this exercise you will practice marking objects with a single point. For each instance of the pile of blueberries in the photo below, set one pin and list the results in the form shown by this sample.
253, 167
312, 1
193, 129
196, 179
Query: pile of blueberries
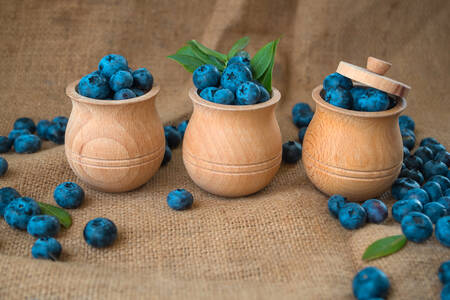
24, 213
338, 90
114, 80
235, 86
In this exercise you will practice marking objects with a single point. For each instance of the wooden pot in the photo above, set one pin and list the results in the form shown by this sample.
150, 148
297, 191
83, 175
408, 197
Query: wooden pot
232, 150
352, 153
114, 146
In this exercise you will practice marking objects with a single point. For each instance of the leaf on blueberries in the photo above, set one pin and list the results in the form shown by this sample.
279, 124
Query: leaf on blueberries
263, 59
238, 46
207, 51
384, 247
63, 216
190, 63
207, 59
266, 78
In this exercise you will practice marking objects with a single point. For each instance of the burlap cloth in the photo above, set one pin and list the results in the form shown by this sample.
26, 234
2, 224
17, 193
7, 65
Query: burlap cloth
280, 243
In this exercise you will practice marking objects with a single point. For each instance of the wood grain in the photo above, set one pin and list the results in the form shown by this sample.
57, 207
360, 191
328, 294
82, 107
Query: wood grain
114, 146
352, 153
232, 150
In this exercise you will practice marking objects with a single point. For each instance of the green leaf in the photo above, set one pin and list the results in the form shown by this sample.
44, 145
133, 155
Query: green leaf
207, 51
190, 63
262, 59
384, 247
238, 46
186, 50
207, 59
266, 78
62, 215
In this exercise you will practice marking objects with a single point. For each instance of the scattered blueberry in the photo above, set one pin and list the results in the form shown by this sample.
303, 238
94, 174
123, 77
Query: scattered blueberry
372, 100
413, 162
434, 167
167, 156
180, 199
434, 211
336, 80
208, 93
68, 195
301, 134
401, 186
424, 153
444, 272
15, 133
143, 79
100, 232
335, 203
5, 144
418, 194
56, 134
42, 127
7, 194
443, 156
43, 226
206, 76
403, 207
182, 127
19, 212
223, 96
433, 189
112, 63
121, 80
94, 86
299, 108
443, 231
376, 210
173, 137
292, 152
443, 181
352, 216
234, 75
436, 148
25, 123
247, 93
406, 152
428, 141
124, 94
3, 166
46, 248
417, 227
416, 175
445, 201
303, 118
406, 122
61, 121
409, 138
339, 97
370, 283
27, 143
445, 293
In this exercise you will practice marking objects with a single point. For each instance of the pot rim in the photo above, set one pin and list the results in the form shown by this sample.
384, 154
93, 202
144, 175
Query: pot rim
74, 95
396, 110
276, 96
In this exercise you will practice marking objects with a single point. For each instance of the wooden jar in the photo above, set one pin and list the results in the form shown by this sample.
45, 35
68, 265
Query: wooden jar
232, 150
114, 146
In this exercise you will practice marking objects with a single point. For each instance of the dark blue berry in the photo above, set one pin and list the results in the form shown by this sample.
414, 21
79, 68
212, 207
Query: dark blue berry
182, 127
46, 248
68, 195
5, 144
234, 75
180, 199
138, 92
413, 162
428, 141
443, 156
444, 272
401, 186
56, 134
3, 166
369, 283
42, 127
336, 80
121, 80
335, 203
94, 86
61, 121
301, 134
167, 156
100, 232
418, 194
436, 148
124, 94
357, 92
292, 152
247, 93
339, 97
406, 122
223, 96
143, 79
206, 76
27, 143
43, 226
208, 93
7, 194
424, 153
443, 181
265, 95
352, 216
406, 152
238, 59
25, 123
376, 210
403, 207
372, 100
434, 167
112, 63
433, 190
417, 227
416, 175
299, 108
15, 133
408, 138
445, 293
173, 137
303, 118
443, 231
434, 211
445, 201
19, 212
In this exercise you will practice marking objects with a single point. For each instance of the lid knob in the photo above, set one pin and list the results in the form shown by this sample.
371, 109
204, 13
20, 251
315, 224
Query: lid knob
377, 65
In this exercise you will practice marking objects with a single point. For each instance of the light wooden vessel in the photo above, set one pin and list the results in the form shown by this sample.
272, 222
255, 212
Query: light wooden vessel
114, 146
232, 150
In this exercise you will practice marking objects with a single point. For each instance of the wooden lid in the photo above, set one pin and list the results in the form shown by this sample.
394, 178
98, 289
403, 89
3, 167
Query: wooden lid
373, 76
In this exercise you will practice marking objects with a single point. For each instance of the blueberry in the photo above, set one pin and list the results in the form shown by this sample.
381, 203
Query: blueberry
173, 137
417, 227
437, 148
445, 292
25, 123
408, 138
180, 199
445, 201
208, 93
336, 80
206, 76
403, 207
372, 100
339, 97
43, 226
442, 231
138, 92
424, 153
433, 189
5, 144
401, 186
292, 152
19, 212
3, 166
434, 167
223, 96
406, 122
442, 156
443, 181
27, 143
46, 248
100, 232
61, 122
413, 162
376, 210
7, 194
418, 194
56, 134
357, 92
15, 133
112, 63
42, 127
301, 133
234, 75
247, 93
243, 53
94, 86
143, 79
121, 80
352, 216
303, 118
416, 175
265, 95
444, 272
301, 108
68, 195
124, 94
428, 141
181, 128
240, 60
434, 211
447, 192
335, 203
406, 152
370, 282
167, 156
